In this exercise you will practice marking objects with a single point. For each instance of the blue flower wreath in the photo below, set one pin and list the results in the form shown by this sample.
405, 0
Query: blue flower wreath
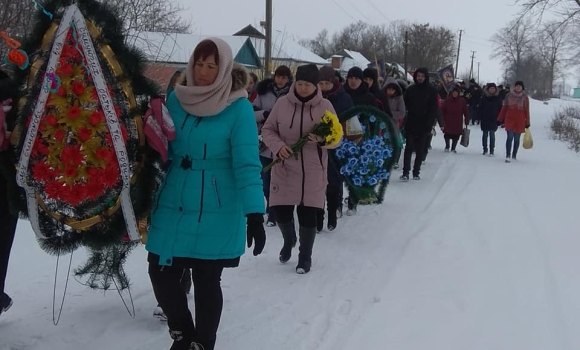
366, 165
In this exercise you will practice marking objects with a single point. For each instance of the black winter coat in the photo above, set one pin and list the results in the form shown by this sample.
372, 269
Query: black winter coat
421, 101
488, 110
341, 101
474, 95
362, 96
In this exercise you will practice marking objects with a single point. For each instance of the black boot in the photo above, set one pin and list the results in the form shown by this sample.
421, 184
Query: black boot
186, 281
332, 219
307, 236
319, 220
289, 233
181, 340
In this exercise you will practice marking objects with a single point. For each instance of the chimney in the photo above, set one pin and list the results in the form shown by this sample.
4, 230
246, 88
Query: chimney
336, 62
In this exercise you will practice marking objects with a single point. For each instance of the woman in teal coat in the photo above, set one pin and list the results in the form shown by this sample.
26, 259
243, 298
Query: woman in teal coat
211, 200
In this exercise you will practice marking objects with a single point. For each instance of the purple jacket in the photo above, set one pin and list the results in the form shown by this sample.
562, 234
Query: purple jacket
303, 180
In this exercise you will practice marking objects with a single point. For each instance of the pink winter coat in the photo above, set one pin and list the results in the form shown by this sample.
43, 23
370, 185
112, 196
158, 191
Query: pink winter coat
303, 180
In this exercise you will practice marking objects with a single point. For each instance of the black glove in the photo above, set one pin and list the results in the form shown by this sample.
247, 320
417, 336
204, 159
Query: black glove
266, 114
255, 232
527, 126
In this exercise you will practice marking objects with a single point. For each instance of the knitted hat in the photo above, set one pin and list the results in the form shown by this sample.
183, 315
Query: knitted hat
327, 73
472, 81
491, 85
308, 73
520, 83
371, 73
355, 72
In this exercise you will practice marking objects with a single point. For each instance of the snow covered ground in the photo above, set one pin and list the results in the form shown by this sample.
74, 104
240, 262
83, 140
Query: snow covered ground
479, 255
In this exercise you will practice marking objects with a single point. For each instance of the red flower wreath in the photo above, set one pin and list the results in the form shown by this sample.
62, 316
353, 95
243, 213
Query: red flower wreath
73, 158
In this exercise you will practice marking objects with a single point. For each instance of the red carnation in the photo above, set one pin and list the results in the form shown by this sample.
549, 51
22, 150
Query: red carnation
61, 92
51, 120
78, 88
104, 153
96, 118
59, 135
53, 189
74, 112
40, 147
110, 177
64, 69
70, 172
42, 172
72, 155
85, 134
93, 172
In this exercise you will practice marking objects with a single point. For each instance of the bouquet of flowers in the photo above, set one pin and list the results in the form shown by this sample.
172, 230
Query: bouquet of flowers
367, 165
329, 128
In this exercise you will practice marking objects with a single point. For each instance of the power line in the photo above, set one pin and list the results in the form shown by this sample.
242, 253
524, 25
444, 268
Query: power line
343, 10
378, 10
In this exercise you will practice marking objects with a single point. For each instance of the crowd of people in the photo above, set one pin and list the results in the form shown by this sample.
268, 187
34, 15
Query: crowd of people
230, 125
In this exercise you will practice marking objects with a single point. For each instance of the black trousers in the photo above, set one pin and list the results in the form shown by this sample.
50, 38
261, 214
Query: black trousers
306, 215
208, 299
333, 201
449, 138
7, 231
415, 144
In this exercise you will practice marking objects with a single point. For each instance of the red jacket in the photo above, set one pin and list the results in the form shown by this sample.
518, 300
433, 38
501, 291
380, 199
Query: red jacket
515, 113
454, 110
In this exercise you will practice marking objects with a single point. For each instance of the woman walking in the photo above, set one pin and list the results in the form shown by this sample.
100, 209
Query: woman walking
515, 115
211, 199
455, 113
299, 182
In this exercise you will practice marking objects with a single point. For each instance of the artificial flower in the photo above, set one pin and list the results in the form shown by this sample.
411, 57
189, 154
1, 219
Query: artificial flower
78, 88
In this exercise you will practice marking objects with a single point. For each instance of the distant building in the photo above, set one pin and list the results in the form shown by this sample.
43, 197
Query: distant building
166, 52
576, 93
344, 60
285, 51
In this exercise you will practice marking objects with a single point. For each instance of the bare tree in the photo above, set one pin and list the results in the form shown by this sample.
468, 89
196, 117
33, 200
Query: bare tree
568, 10
150, 15
552, 45
512, 43
320, 45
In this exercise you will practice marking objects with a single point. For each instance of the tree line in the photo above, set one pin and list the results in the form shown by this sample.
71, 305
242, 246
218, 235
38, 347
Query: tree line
427, 45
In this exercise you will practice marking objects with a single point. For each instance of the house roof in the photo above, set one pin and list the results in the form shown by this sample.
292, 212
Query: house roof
250, 31
287, 49
357, 57
177, 48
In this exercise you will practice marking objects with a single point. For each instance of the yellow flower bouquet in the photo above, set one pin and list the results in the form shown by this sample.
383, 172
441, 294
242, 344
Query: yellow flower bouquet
329, 128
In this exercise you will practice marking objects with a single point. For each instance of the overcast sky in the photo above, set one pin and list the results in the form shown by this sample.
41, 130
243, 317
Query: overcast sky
305, 18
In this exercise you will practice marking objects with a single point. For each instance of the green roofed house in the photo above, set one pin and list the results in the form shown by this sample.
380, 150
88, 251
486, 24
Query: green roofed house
167, 52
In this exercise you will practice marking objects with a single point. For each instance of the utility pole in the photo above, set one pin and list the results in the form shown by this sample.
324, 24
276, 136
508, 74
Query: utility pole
478, 63
471, 70
458, 51
406, 52
268, 48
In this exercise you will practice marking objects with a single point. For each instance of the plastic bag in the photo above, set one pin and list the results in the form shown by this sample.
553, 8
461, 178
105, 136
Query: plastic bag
353, 129
465, 137
528, 140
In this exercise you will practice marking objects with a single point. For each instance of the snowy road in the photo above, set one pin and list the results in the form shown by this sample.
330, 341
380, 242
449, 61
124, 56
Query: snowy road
479, 255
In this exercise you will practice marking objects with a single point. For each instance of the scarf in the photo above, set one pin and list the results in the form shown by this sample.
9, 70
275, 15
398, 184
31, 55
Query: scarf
280, 92
205, 101
515, 100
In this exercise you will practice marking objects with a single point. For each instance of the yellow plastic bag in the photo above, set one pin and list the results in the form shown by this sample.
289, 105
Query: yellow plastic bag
528, 140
